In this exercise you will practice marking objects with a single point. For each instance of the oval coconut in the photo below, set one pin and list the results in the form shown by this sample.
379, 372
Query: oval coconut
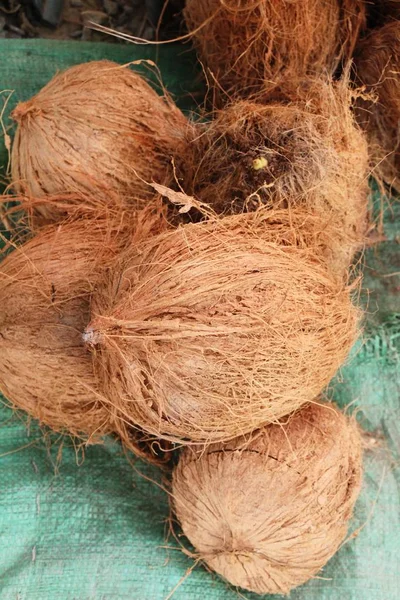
307, 153
99, 126
377, 67
213, 329
267, 513
250, 46
45, 368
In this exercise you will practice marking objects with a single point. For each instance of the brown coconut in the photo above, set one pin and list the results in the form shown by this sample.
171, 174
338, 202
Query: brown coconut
99, 126
210, 330
267, 513
250, 46
306, 153
45, 368
377, 68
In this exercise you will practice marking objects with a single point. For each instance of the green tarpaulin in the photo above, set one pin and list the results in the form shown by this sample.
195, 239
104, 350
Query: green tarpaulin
97, 530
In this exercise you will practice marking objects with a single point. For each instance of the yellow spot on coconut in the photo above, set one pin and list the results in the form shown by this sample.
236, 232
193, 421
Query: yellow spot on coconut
259, 163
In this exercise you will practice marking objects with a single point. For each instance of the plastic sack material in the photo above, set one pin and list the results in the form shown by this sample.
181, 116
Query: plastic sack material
98, 530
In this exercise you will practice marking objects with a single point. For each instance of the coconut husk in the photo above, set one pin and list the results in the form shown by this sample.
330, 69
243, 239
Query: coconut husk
96, 127
377, 67
213, 329
248, 46
267, 513
306, 152
45, 295
31, 214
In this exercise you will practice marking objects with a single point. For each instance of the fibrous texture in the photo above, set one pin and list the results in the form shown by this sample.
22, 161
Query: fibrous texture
45, 368
96, 126
255, 45
45, 290
267, 513
32, 214
306, 153
215, 328
377, 67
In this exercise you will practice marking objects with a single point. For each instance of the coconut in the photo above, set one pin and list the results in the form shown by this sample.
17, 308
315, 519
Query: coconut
45, 368
96, 126
377, 66
255, 45
213, 329
308, 152
267, 513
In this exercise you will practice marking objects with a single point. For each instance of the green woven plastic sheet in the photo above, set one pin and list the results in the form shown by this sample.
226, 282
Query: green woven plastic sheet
95, 529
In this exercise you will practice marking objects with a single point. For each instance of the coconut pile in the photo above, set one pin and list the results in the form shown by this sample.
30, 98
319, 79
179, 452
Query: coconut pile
189, 285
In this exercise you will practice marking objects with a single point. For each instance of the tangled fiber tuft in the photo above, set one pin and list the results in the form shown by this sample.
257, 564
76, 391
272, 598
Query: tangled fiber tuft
267, 513
307, 153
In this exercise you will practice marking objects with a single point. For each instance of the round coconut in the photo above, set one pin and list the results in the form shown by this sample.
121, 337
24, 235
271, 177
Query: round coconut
99, 126
267, 513
377, 67
308, 153
45, 368
213, 329
250, 46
